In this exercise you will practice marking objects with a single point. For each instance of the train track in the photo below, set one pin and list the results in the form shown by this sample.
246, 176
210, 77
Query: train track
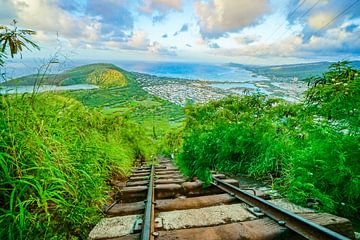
163, 201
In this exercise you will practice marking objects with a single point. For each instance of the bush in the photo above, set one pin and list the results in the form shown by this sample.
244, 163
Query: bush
55, 158
311, 149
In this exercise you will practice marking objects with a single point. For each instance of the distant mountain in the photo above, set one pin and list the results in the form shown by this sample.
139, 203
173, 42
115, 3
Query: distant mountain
99, 74
301, 71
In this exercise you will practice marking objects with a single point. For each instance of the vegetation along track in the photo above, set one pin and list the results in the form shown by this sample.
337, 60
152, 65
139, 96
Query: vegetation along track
157, 202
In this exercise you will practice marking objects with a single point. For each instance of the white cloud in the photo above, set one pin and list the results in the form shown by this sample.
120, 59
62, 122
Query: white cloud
220, 16
246, 39
309, 3
139, 40
157, 49
149, 6
320, 19
335, 40
48, 18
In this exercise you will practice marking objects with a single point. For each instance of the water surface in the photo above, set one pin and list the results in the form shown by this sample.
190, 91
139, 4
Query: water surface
44, 88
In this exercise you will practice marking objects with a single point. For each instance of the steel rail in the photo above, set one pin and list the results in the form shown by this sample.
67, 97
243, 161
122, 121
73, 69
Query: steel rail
294, 222
149, 216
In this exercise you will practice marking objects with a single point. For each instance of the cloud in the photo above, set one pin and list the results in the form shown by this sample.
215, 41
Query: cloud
71, 6
335, 41
218, 17
157, 48
314, 15
150, 6
184, 28
214, 45
320, 19
47, 16
139, 41
285, 48
114, 15
246, 39
159, 9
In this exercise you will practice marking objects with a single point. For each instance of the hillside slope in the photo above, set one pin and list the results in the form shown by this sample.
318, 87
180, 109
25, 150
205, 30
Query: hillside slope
99, 74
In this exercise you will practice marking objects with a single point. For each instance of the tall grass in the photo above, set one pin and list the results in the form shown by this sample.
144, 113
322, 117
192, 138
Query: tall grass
55, 158
309, 150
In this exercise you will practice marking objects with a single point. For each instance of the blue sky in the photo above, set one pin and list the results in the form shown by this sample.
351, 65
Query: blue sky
243, 31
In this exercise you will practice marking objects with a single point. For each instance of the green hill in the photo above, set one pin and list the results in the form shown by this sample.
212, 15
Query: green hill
99, 74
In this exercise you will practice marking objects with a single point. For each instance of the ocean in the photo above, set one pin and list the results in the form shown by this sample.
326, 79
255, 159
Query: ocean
193, 71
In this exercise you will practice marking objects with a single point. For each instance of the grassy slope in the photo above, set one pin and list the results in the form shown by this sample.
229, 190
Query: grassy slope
56, 153
156, 115
55, 158
309, 150
78, 75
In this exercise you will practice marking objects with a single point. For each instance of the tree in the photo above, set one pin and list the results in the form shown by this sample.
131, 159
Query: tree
13, 40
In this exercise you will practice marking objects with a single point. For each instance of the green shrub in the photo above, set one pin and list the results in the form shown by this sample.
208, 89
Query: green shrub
309, 150
55, 158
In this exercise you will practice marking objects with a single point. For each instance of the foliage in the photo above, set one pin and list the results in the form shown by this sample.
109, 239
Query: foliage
313, 158
156, 115
55, 158
107, 78
14, 40
335, 95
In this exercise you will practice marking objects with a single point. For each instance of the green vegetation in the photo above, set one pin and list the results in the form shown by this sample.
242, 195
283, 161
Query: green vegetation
56, 156
101, 74
301, 71
157, 116
309, 150
57, 153
59, 150
13, 40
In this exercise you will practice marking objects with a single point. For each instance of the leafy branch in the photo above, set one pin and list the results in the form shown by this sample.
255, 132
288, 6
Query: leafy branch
13, 41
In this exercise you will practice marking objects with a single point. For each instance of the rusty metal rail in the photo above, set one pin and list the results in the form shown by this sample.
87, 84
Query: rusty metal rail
294, 222
149, 216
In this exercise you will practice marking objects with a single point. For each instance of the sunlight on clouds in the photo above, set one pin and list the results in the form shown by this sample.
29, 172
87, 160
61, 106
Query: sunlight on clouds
166, 29
139, 40
150, 6
320, 19
47, 16
220, 16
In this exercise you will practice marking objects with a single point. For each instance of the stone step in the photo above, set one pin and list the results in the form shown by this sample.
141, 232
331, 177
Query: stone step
264, 228
219, 175
193, 203
139, 178
137, 183
170, 180
122, 209
141, 171
207, 216
167, 172
140, 174
166, 176
132, 194
166, 169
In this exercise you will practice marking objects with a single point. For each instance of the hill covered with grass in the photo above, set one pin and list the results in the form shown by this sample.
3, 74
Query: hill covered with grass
59, 150
100, 74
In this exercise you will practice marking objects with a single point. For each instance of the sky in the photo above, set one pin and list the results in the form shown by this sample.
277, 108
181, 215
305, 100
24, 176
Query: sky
242, 31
